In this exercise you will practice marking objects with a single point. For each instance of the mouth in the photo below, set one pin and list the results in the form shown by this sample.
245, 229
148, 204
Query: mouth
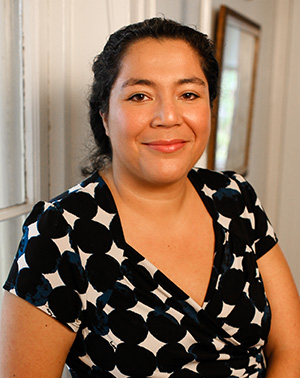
167, 146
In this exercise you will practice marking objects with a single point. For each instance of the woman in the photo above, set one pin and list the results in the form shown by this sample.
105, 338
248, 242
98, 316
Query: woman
150, 268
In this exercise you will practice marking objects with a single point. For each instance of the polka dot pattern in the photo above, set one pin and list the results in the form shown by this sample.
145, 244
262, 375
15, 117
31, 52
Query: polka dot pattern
131, 320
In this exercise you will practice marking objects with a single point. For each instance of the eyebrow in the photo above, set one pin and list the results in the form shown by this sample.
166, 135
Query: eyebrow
131, 82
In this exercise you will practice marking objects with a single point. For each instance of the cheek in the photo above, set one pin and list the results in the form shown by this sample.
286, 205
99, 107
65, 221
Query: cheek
201, 122
120, 129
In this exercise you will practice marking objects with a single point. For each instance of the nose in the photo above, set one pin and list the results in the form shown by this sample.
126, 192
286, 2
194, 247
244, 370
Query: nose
166, 113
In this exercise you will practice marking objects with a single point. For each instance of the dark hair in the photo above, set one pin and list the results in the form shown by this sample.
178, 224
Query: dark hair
106, 68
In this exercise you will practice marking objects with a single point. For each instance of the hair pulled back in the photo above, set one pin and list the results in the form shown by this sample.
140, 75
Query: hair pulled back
107, 64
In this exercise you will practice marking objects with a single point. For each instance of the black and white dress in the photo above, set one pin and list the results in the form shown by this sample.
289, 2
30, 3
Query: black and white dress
131, 320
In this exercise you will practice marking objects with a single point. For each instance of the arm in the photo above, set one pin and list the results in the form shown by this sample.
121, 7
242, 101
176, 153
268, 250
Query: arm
283, 348
32, 344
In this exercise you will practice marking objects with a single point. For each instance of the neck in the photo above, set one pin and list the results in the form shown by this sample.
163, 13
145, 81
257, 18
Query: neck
157, 201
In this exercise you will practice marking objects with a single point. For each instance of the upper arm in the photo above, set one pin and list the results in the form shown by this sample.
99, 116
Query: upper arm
285, 304
32, 343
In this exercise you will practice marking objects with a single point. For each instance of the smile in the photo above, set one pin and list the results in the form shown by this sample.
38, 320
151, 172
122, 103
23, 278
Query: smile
166, 145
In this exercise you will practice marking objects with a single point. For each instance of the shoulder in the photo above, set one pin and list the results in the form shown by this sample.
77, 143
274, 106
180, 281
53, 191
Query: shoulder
225, 187
56, 219
234, 204
231, 193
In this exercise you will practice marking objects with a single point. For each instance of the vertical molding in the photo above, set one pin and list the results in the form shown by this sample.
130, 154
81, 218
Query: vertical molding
35, 99
150, 10
117, 17
205, 19
141, 9
278, 104
58, 52
205, 26
289, 180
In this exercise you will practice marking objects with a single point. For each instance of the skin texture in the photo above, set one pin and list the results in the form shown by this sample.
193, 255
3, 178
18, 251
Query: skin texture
159, 123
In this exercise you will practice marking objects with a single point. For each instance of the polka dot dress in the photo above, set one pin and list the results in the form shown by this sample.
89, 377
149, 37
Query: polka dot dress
131, 320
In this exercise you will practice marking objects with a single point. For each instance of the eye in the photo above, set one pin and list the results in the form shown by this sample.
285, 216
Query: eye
138, 97
190, 96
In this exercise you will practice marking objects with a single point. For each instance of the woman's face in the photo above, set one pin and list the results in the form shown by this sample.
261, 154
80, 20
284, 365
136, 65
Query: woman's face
159, 112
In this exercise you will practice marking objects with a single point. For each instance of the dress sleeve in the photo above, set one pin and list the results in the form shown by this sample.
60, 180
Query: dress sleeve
263, 236
47, 270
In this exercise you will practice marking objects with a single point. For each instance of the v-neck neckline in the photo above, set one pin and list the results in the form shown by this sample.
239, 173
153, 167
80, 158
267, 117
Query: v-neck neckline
124, 245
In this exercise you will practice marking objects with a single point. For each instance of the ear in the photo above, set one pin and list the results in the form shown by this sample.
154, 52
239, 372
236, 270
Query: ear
104, 117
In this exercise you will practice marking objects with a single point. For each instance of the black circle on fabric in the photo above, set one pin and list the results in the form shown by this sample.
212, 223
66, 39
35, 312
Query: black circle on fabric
134, 360
180, 306
128, 326
81, 204
122, 297
42, 254
96, 372
204, 351
96, 320
132, 254
217, 369
104, 198
242, 314
214, 180
210, 205
52, 224
65, 304
249, 335
23, 244
169, 286
236, 245
231, 285
185, 373
78, 347
165, 327
261, 222
229, 202
227, 259
35, 213
72, 272
172, 357
243, 229
215, 304
103, 299
117, 232
102, 271
210, 327
150, 299
91, 236
249, 195
202, 329
264, 245
33, 287
138, 275
249, 266
100, 351
257, 294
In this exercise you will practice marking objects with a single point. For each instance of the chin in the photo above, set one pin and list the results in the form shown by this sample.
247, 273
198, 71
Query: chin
166, 175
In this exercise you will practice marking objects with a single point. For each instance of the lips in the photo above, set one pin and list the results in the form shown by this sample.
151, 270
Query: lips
166, 145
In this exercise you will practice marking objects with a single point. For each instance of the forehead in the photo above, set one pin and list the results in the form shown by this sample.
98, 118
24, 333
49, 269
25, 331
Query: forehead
159, 53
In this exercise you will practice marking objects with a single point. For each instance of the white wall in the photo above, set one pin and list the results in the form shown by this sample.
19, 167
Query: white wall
289, 150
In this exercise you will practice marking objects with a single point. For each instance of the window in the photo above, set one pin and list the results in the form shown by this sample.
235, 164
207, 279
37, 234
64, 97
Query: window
12, 147
19, 186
